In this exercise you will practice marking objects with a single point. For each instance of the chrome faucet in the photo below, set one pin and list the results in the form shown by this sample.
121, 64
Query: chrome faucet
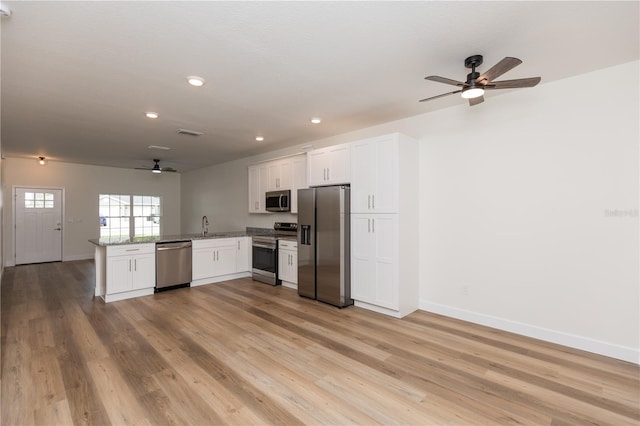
205, 226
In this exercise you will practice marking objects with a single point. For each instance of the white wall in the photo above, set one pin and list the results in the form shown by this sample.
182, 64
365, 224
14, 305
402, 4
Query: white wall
515, 198
516, 201
83, 184
221, 193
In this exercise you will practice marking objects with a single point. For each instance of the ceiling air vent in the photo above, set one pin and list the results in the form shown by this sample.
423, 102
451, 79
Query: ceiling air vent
189, 132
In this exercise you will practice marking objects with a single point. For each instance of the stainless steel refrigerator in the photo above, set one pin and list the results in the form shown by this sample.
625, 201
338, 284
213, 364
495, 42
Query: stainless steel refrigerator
324, 249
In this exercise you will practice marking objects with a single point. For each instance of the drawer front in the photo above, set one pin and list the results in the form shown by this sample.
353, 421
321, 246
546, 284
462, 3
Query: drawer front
213, 243
130, 249
288, 245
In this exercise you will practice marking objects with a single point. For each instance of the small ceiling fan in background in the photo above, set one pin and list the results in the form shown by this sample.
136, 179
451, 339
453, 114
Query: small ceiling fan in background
474, 87
156, 168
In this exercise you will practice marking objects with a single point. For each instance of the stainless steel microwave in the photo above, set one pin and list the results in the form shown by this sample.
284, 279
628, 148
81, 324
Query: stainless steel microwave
278, 201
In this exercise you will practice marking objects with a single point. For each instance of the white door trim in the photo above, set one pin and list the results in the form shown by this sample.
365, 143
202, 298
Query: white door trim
13, 214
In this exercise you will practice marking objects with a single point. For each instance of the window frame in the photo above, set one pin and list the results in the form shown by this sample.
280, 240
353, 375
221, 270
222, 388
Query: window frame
135, 203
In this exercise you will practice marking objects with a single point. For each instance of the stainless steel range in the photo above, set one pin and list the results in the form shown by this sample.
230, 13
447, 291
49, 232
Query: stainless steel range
264, 250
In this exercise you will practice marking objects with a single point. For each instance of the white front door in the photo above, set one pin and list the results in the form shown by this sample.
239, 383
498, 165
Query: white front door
38, 219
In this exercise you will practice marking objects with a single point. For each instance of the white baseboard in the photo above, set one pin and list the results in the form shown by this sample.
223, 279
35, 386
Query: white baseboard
213, 280
78, 257
566, 339
11, 262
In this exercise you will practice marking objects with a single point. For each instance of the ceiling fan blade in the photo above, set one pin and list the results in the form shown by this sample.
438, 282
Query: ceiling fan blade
498, 69
168, 169
439, 96
445, 80
513, 84
476, 101
141, 168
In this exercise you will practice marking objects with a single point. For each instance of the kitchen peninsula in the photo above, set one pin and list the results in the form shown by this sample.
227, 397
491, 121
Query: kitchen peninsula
126, 267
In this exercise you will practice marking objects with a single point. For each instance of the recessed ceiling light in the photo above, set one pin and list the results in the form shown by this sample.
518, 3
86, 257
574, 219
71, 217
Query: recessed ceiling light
316, 120
152, 114
164, 148
259, 138
195, 81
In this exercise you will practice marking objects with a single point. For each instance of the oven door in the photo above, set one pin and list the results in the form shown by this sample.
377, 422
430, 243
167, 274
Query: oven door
265, 262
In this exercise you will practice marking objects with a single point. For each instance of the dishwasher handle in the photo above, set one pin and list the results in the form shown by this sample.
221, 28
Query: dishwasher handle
172, 248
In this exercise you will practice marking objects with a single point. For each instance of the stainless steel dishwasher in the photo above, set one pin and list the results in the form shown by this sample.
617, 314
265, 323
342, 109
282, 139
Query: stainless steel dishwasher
173, 264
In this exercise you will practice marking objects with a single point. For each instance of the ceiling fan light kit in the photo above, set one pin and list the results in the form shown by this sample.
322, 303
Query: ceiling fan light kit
476, 84
156, 168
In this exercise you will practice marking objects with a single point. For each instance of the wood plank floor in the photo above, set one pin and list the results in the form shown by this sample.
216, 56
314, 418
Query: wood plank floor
242, 352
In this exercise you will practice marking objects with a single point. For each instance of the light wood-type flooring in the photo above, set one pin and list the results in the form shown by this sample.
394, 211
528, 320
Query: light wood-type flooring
241, 353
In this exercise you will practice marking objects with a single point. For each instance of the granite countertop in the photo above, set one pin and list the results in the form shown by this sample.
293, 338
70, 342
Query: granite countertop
112, 241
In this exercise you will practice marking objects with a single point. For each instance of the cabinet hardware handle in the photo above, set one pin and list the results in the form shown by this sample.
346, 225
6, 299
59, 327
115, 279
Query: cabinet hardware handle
373, 226
369, 225
328, 173
368, 201
373, 201
129, 265
238, 244
132, 249
135, 264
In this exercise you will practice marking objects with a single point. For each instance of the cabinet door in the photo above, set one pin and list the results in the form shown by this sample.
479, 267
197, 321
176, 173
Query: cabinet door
203, 263
258, 176
225, 259
363, 176
293, 275
385, 177
384, 229
144, 271
317, 165
119, 274
299, 173
243, 263
339, 164
362, 267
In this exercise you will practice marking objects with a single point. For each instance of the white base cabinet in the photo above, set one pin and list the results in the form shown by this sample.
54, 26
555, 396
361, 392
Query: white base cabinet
384, 219
288, 263
130, 271
219, 259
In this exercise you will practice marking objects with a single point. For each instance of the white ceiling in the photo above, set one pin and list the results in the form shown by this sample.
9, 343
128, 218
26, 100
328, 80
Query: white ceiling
77, 77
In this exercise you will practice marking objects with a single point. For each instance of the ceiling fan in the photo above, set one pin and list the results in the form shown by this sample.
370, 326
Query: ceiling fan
156, 168
474, 87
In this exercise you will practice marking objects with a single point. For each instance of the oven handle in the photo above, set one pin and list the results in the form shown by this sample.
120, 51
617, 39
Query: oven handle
267, 246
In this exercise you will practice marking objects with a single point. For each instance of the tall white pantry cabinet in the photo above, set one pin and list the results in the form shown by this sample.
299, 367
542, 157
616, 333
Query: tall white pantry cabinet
384, 215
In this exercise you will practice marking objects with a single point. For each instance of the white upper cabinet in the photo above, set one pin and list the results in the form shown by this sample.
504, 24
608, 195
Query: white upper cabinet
287, 173
329, 166
299, 173
375, 172
258, 175
279, 175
